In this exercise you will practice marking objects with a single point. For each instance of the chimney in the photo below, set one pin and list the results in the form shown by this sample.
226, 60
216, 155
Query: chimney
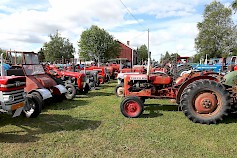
128, 43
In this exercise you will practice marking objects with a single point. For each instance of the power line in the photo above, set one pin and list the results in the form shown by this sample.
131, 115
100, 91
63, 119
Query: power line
131, 14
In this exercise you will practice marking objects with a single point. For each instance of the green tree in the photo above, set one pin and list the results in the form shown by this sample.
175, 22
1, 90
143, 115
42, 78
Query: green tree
196, 58
96, 43
2, 51
58, 47
234, 5
142, 53
217, 34
41, 55
165, 57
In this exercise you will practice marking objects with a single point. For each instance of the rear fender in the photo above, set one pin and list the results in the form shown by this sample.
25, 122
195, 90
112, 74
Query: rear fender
59, 89
45, 93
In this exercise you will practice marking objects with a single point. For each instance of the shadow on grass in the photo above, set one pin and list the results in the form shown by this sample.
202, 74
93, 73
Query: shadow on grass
231, 118
96, 93
64, 105
162, 107
153, 110
107, 85
44, 124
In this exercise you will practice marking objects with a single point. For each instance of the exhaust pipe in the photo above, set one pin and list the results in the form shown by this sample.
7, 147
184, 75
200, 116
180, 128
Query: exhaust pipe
2, 66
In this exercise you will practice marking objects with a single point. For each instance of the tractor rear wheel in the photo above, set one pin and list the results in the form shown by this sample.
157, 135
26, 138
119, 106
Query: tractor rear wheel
71, 91
33, 106
131, 107
119, 90
205, 101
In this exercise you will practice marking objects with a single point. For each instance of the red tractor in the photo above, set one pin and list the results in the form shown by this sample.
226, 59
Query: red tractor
103, 73
14, 99
78, 80
138, 87
38, 83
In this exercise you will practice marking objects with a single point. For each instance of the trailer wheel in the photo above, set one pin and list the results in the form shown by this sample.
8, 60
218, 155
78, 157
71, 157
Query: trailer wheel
205, 101
131, 107
33, 106
119, 90
71, 91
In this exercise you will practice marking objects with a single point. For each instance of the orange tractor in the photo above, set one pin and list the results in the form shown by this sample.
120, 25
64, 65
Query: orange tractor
139, 87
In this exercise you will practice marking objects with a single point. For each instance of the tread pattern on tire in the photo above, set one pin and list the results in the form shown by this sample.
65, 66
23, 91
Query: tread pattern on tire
198, 86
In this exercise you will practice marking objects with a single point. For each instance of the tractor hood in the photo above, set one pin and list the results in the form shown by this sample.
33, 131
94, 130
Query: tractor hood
4, 80
230, 79
72, 74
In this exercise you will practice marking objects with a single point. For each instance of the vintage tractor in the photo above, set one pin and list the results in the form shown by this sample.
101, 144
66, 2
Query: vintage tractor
222, 65
14, 99
138, 87
76, 79
103, 73
38, 83
92, 78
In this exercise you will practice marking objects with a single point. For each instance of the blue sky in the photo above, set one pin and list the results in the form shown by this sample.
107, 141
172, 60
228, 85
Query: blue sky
26, 25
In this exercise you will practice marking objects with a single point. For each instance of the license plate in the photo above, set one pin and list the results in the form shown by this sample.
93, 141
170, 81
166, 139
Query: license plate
18, 105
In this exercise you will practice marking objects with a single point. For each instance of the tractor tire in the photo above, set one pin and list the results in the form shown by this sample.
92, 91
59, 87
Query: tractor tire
205, 102
39, 96
143, 99
119, 90
33, 106
71, 91
131, 107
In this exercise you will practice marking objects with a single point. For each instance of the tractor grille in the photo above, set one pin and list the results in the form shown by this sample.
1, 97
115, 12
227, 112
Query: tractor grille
18, 96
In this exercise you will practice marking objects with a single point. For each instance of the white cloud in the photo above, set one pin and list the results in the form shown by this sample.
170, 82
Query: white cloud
25, 25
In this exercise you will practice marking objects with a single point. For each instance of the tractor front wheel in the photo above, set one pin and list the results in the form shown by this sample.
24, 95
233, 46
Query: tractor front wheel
119, 90
131, 107
33, 106
205, 101
71, 91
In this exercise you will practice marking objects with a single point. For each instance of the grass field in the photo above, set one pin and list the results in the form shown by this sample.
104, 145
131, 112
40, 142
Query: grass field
92, 126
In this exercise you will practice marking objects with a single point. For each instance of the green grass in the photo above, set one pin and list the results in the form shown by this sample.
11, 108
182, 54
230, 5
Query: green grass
92, 126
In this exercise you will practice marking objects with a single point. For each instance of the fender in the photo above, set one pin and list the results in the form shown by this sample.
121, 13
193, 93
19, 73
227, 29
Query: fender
186, 83
61, 88
45, 93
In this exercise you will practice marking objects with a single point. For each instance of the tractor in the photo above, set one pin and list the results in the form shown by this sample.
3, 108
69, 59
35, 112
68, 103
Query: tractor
38, 83
139, 87
103, 73
14, 100
78, 80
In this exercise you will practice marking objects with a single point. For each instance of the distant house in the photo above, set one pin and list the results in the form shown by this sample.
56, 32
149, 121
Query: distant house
128, 52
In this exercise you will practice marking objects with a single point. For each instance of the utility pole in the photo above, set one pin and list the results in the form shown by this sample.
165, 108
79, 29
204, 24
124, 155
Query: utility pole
148, 53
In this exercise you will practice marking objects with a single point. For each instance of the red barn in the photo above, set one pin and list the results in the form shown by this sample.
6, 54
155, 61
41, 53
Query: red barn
128, 52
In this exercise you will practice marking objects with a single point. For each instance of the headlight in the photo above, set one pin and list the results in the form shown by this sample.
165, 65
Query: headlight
8, 98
